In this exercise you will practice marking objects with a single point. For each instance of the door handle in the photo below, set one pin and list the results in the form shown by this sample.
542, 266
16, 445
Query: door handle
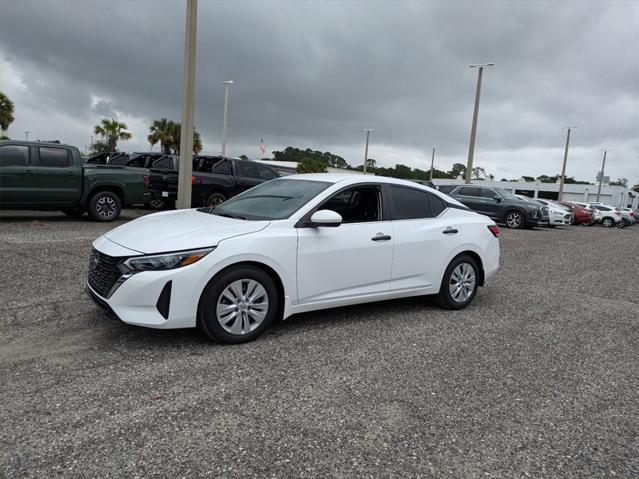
380, 237
450, 231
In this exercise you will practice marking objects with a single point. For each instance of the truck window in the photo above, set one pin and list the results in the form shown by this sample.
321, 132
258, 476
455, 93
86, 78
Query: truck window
54, 157
164, 162
222, 168
14, 155
248, 169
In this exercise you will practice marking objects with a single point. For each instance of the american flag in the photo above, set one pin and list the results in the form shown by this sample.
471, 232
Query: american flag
262, 147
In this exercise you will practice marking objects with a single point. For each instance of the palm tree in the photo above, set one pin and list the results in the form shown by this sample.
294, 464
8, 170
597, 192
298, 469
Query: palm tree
6, 113
167, 134
112, 131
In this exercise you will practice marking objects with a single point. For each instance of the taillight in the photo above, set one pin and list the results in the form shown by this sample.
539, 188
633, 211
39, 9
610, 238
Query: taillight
193, 179
494, 229
146, 181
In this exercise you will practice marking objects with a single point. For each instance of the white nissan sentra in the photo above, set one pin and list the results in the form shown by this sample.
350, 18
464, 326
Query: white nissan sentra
293, 244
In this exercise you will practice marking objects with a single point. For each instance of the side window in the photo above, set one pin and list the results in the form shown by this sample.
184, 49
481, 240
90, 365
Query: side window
222, 168
486, 193
265, 173
119, 160
164, 162
54, 157
437, 205
138, 161
409, 204
14, 155
447, 188
469, 191
359, 204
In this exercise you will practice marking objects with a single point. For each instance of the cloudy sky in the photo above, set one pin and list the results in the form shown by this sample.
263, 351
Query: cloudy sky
314, 74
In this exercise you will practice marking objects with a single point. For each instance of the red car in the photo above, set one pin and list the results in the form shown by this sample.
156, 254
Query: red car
580, 214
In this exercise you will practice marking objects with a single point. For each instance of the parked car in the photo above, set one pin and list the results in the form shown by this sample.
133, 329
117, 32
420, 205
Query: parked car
544, 219
214, 179
628, 216
498, 204
581, 215
108, 158
607, 215
558, 214
51, 176
290, 245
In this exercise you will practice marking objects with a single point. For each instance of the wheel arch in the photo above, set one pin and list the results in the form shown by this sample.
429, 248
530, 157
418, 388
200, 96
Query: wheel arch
479, 261
117, 190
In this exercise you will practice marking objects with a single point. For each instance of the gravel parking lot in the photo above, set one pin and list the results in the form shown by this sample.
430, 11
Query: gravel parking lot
537, 378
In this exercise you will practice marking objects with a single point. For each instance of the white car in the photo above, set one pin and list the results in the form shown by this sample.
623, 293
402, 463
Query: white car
607, 215
557, 214
290, 245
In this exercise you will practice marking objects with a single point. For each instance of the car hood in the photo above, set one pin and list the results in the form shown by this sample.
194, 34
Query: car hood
179, 230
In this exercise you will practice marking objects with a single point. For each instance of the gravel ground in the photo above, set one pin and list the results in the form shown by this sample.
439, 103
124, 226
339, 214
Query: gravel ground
539, 377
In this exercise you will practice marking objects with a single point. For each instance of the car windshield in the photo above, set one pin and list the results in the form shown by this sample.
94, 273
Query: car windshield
507, 194
274, 200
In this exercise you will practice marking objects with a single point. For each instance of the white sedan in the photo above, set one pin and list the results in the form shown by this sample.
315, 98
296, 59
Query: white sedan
291, 245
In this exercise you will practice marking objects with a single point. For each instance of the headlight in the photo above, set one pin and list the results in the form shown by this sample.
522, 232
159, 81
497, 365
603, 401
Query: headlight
162, 262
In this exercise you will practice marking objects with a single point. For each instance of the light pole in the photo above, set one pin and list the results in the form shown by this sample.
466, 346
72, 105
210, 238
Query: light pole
473, 130
601, 174
563, 168
188, 107
225, 126
368, 132
432, 164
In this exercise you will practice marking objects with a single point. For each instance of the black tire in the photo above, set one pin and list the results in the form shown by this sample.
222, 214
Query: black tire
73, 212
514, 219
213, 294
445, 297
157, 204
623, 223
215, 200
607, 222
105, 206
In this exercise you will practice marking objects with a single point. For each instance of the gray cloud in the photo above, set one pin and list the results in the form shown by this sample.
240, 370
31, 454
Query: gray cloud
315, 74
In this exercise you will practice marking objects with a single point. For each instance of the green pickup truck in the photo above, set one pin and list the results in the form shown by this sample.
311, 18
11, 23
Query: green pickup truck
51, 176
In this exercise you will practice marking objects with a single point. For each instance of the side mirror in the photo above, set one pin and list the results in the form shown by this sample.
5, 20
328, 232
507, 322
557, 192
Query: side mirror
497, 198
326, 218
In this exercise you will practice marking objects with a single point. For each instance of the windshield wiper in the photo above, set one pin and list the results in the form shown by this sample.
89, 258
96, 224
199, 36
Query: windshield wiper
228, 215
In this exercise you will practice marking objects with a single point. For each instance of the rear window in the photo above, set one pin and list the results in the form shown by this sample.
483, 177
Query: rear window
14, 155
54, 157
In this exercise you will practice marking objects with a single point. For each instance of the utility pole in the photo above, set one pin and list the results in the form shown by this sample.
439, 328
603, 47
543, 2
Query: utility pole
227, 84
473, 130
188, 107
601, 175
26, 136
368, 132
432, 164
563, 168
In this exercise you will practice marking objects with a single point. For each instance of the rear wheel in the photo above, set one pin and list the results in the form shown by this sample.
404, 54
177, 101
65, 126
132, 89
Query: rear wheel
105, 206
215, 200
459, 284
238, 305
514, 219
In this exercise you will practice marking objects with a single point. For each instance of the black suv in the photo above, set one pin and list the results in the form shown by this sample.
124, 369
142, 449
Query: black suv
499, 204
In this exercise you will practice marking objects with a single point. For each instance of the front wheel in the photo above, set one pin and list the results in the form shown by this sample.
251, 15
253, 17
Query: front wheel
105, 206
238, 305
607, 222
514, 219
459, 284
215, 200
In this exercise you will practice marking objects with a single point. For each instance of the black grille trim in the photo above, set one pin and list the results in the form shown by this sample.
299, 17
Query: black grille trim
164, 300
104, 272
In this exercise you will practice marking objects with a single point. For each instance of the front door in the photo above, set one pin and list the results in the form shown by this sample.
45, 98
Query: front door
353, 259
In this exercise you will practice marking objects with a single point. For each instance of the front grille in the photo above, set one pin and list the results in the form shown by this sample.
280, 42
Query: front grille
103, 272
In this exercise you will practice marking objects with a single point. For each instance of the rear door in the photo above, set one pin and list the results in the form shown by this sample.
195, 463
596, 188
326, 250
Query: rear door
17, 178
58, 178
470, 196
423, 237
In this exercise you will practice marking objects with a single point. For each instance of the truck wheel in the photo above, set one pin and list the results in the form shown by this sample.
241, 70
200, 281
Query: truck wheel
73, 212
216, 199
105, 206
157, 204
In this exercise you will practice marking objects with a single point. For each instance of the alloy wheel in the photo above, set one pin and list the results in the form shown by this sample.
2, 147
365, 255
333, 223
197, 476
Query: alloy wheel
514, 220
462, 282
105, 207
242, 306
